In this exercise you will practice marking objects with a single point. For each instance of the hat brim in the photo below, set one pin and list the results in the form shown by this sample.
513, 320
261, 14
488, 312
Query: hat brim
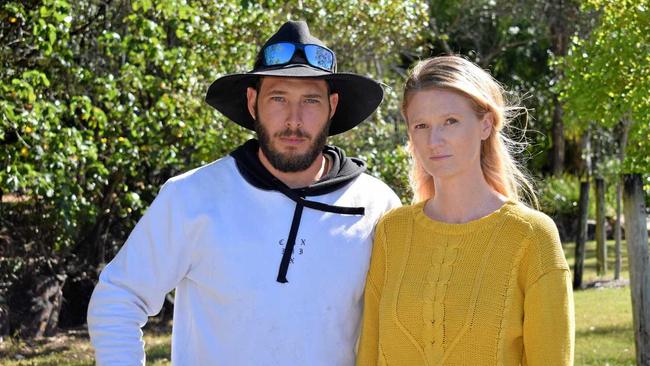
359, 96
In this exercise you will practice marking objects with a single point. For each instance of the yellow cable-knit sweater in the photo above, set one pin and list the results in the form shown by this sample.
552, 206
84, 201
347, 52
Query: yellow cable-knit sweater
494, 291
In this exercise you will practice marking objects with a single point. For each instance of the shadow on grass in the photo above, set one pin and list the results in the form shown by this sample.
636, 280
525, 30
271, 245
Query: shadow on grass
47, 352
42, 347
613, 331
157, 327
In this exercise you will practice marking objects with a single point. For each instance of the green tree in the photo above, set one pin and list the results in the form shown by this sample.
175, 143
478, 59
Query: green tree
607, 77
606, 82
516, 41
101, 101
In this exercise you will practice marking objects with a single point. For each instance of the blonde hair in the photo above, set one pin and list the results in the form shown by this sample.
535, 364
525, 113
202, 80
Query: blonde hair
500, 169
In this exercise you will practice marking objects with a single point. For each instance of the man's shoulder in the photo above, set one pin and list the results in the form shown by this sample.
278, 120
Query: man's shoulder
372, 182
219, 169
373, 194
375, 188
198, 188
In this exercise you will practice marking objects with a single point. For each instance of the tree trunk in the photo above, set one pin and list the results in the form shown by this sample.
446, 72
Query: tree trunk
46, 301
581, 237
622, 145
601, 243
89, 246
34, 299
436, 32
558, 138
5, 315
636, 236
559, 16
617, 231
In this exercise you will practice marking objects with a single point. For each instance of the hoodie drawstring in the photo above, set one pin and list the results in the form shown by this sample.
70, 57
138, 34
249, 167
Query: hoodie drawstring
295, 224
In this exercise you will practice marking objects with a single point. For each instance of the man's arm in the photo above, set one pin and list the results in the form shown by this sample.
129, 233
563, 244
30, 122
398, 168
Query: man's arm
133, 285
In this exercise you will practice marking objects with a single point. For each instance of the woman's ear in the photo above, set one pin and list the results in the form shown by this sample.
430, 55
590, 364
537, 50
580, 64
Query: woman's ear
487, 124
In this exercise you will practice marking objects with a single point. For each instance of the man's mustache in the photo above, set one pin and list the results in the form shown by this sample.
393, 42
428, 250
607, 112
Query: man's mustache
288, 132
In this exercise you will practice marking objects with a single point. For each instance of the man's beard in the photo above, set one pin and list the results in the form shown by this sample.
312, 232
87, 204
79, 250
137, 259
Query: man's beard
291, 163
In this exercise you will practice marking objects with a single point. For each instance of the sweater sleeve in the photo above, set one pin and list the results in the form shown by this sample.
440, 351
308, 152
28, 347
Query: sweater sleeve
549, 325
549, 320
133, 285
369, 342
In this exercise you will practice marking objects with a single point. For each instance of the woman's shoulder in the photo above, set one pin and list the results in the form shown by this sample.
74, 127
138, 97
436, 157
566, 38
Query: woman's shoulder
399, 215
543, 238
538, 222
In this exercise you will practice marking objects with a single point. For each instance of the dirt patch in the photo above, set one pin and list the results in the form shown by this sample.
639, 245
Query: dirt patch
606, 284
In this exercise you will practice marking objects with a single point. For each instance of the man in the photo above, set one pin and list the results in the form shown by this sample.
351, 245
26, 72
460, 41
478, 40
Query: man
267, 248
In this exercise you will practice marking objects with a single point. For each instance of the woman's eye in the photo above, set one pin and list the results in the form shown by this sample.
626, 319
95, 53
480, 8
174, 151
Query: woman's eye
419, 126
451, 121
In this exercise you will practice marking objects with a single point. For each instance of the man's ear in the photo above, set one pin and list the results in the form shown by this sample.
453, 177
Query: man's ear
251, 97
334, 102
487, 124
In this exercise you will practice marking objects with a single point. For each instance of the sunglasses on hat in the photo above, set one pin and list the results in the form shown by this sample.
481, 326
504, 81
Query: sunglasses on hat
281, 53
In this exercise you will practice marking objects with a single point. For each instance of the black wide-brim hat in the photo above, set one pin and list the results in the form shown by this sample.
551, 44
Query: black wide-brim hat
359, 96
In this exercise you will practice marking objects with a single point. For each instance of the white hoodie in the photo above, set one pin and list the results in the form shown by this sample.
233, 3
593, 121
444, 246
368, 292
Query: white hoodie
218, 240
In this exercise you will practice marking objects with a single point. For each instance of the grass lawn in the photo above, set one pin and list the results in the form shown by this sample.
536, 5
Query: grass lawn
603, 328
72, 348
604, 334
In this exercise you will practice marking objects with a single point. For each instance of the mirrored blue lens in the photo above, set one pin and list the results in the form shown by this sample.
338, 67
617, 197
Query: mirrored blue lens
279, 53
283, 52
319, 56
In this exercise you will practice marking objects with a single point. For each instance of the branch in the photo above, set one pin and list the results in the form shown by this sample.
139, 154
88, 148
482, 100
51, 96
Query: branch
488, 58
100, 11
625, 124
434, 29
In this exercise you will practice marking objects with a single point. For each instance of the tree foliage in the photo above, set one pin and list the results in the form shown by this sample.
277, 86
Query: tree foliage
607, 75
103, 100
516, 41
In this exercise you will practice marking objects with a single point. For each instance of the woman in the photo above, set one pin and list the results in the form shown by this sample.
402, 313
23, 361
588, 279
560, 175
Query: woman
467, 275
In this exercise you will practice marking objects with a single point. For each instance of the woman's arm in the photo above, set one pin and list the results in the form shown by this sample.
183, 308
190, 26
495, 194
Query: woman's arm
549, 329
549, 321
369, 342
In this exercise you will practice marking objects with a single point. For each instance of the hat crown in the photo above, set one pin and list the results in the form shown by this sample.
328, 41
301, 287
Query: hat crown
294, 32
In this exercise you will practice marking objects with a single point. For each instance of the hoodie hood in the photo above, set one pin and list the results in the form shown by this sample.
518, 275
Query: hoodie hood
343, 169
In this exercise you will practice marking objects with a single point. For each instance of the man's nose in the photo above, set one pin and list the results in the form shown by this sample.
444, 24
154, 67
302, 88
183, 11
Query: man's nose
294, 118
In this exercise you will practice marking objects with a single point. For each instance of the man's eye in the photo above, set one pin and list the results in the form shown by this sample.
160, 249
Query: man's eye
419, 126
312, 101
277, 99
451, 121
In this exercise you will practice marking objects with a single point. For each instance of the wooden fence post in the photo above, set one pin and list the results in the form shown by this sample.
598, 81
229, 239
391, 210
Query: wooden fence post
581, 237
636, 236
601, 233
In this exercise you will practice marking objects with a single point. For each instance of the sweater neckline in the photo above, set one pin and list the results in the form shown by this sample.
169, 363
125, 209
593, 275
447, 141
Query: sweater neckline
463, 228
